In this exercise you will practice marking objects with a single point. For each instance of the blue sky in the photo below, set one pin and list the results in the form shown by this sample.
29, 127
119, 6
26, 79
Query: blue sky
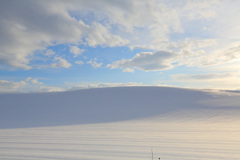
63, 45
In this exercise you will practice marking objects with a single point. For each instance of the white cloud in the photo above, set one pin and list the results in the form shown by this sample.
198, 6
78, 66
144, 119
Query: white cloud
33, 85
76, 51
10, 86
203, 9
47, 23
190, 47
209, 81
33, 80
128, 70
61, 62
28, 26
205, 77
100, 85
100, 35
202, 53
219, 57
49, 53
94, 64
48, 89
28, 85
147, 61
79, 62
188, 53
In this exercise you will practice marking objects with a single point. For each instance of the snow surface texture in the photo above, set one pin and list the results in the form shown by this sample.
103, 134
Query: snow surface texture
121, 124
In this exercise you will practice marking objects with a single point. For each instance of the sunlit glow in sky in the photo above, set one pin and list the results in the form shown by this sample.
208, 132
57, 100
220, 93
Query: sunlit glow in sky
64, 45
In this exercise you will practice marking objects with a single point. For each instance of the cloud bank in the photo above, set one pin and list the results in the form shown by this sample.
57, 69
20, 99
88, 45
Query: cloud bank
29, 26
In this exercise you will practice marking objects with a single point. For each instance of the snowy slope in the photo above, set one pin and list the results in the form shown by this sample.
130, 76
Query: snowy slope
121, 124
110, 105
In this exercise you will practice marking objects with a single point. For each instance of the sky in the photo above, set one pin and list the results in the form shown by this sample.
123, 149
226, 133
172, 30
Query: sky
62, 45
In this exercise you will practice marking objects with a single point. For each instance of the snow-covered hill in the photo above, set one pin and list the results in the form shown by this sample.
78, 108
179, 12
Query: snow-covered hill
121, 124
111, 105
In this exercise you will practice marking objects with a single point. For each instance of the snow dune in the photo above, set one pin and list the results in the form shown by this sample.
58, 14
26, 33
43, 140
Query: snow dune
105, 105
121, 123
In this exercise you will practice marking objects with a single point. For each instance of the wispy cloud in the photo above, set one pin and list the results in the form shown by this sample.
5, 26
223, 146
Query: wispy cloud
87, 85
49, 53
60, 62
147, 61
76, 51
94, 64
205, 77
44, 24
79, 62
28, 85
113, 24
210, 80
34, 85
